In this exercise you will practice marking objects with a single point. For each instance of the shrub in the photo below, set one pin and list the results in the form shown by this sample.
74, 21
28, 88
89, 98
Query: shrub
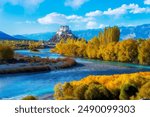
29, 98
144, 92
124, 86
58, 91
6, 52
68, 98
127, 91
80, 91
115, 94
67, 89
97, 92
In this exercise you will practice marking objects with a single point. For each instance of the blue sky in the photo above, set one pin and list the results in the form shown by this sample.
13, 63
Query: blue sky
34, 16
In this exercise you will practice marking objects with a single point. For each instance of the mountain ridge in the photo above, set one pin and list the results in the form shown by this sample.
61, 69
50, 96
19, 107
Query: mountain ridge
140, 31
5, 36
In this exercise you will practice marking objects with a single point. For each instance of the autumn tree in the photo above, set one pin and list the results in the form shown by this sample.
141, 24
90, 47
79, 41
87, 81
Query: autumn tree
80, 91
92, 48
67, 89
109, 53
110, 34
144, 52
81, 50
127, 91
34, 46
128, 51
101, 87
6, 52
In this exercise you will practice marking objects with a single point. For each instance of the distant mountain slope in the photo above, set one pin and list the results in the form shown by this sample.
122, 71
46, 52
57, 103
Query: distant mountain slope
87, 34
141, 31
40, 36
4, 36
20, 37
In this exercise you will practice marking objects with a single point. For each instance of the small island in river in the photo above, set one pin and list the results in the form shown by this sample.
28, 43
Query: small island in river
16, 63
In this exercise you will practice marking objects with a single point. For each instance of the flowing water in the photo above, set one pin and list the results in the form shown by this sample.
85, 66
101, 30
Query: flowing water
15, 86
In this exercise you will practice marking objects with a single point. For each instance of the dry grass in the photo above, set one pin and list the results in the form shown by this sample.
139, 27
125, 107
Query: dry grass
39, 64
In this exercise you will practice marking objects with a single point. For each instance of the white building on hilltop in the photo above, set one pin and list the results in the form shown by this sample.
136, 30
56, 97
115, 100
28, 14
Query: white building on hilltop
63, 29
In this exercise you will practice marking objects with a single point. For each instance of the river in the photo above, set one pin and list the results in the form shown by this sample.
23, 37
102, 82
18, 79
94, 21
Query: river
16, 86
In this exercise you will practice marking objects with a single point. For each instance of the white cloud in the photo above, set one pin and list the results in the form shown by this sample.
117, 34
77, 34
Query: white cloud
91, 19
56, 18
27, 4
94, 13
53, 18
147, 2
74, 17
118, 11
75, 3
134, 8
91, 25
132, 35
102, 26
124, 9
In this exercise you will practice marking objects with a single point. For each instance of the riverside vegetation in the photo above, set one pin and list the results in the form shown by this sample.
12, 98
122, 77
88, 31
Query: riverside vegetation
114, 87
106, 46
29, 64
22, 44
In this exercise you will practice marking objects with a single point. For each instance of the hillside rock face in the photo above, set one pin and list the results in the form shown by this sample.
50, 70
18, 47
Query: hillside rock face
63, 33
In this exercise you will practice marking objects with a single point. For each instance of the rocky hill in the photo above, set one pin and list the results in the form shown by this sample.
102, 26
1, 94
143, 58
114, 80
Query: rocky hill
63, 33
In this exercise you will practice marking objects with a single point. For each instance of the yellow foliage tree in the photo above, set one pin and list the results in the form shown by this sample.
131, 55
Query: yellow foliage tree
92, 48
6, 52
144, 52
128, 51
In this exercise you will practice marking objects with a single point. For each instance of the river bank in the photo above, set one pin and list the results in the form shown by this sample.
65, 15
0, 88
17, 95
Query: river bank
41, 84
102, 69
36, 64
